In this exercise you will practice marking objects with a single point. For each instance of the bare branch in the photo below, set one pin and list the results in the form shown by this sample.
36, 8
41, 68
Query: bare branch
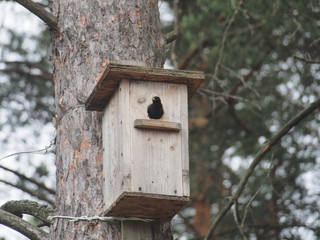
189, 225
310, 61
246, 30
241, 78
263, 151
29, 191
22, 226
193, 52
20, 175
227, 231
237, 219
234, 89
242, 124
246, 210
32, 208
208, 42
172, 36
45, 74
40, 12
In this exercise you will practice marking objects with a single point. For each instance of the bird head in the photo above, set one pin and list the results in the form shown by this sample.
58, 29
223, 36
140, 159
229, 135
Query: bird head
156, 99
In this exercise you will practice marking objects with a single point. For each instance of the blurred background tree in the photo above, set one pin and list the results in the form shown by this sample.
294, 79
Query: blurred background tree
261, 60
26, 109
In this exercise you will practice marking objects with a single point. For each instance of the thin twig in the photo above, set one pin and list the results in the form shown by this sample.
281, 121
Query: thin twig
224, 95
195, 51
227, 231
241, 78
306, 60
224, 39
31, 65
236, 218
234, 89
176, 9
255, 195
189, 225
263, 151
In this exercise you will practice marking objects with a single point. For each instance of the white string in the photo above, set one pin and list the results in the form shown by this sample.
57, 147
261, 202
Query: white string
86, 218
45, 149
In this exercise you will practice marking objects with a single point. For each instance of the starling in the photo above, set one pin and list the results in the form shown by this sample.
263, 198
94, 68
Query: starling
155, 110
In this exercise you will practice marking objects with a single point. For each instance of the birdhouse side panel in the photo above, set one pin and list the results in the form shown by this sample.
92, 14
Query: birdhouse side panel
184, 141
110, 153
113, 168
156, 155
125, 138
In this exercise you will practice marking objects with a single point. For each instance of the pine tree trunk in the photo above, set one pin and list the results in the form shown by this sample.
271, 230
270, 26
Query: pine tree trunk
93, 33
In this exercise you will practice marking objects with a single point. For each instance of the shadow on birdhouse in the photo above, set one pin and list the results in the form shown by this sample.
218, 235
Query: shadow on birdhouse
145, 139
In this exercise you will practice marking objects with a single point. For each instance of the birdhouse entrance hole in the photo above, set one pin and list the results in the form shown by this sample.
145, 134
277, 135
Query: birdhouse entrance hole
145, 161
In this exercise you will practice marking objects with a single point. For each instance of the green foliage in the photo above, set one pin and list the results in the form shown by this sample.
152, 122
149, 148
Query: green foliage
26, 87
26, 104
254, 85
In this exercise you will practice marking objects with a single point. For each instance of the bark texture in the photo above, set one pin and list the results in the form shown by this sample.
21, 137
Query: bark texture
93, 33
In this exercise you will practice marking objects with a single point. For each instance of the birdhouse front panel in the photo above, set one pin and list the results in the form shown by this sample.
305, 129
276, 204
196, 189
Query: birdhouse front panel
157, 155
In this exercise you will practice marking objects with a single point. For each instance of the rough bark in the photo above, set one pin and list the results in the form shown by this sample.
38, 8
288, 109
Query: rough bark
93, 33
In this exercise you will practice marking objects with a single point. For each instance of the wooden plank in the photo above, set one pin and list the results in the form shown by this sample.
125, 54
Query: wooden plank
184, 142
156, 155
124, 174
114, 73
157, 125
111, 163
147, 206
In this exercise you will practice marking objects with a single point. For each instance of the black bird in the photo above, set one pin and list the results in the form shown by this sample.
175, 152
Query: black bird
155, 110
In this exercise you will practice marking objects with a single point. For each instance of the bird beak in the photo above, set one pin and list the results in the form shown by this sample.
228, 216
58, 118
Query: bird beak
153, 99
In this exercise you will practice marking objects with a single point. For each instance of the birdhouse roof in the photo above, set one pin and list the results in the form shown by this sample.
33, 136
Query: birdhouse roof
111, 76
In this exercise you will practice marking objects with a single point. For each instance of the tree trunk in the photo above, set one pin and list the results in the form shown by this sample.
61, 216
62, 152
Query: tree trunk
93, 33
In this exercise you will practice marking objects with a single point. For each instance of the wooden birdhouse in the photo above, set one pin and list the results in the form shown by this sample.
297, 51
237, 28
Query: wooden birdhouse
146, 161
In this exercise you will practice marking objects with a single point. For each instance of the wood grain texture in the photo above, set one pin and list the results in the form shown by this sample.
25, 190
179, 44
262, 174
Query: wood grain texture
147, 206
111, 153
156, 155
138, 229
114, 73
157, 125
185, 142
125, 137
